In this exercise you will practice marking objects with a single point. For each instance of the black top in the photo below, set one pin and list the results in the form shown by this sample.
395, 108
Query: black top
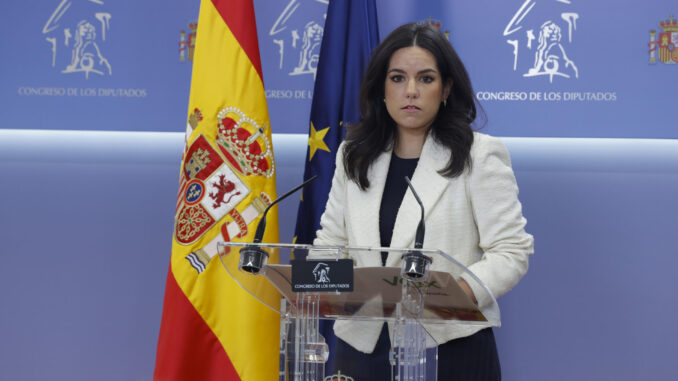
394, 191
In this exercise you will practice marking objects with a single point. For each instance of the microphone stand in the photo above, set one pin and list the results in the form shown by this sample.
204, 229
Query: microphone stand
414, 264
253, 258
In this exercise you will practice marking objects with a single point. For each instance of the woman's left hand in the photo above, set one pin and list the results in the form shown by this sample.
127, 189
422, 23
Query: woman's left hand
467, 290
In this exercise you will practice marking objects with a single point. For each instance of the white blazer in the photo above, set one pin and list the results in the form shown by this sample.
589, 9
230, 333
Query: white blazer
475, 217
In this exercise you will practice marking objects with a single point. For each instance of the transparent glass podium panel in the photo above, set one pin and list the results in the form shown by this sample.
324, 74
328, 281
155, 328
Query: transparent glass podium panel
416, 308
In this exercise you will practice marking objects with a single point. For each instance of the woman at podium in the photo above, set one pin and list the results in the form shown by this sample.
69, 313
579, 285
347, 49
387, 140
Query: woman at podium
417, 108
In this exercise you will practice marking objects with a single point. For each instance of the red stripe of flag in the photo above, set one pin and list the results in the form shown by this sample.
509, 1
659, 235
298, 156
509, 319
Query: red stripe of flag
182, 328
239, 17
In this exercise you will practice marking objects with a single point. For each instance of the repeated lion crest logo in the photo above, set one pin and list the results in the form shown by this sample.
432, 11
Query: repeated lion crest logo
76, 33
298, 39
321, 273
545, 40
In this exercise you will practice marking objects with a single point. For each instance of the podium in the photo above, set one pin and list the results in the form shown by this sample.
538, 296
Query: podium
348, 285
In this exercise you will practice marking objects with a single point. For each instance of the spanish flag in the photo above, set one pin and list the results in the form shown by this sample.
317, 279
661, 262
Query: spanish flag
211, 328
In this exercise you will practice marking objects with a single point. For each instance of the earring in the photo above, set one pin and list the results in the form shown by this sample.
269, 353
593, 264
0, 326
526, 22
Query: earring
384, 99
445, 102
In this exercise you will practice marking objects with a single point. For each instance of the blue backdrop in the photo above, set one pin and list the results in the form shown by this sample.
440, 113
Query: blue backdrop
561, 68
86, 216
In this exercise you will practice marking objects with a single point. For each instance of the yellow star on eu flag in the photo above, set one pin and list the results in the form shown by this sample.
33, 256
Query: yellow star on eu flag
316, 141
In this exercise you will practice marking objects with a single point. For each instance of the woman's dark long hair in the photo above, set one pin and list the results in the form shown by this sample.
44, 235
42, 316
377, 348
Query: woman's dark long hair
377, 131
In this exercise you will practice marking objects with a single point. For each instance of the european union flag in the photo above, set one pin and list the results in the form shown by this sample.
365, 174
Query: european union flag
351, 33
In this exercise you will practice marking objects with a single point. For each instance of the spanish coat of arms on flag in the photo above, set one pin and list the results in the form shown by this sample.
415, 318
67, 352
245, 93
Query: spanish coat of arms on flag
211, 328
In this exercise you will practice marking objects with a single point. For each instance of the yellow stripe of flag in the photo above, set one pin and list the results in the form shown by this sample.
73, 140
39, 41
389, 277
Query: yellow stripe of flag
224, 77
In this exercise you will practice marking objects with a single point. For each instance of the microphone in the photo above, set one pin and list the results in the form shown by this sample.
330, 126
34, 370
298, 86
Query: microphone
419, 237
253, 258
415, 264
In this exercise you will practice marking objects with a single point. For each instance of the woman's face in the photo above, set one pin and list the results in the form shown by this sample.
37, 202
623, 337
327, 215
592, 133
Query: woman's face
414, 89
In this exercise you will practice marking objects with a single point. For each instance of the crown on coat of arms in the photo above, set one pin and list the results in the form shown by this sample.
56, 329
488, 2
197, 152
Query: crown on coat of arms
338, 377
669, 25
244, 143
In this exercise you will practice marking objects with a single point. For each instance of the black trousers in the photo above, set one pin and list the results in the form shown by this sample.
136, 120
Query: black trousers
472, 358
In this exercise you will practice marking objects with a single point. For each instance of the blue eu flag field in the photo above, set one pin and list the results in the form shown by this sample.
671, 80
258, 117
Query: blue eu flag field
351, 32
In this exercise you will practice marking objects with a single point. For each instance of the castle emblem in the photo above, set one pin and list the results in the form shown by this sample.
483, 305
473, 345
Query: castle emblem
201, 159
665, 46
